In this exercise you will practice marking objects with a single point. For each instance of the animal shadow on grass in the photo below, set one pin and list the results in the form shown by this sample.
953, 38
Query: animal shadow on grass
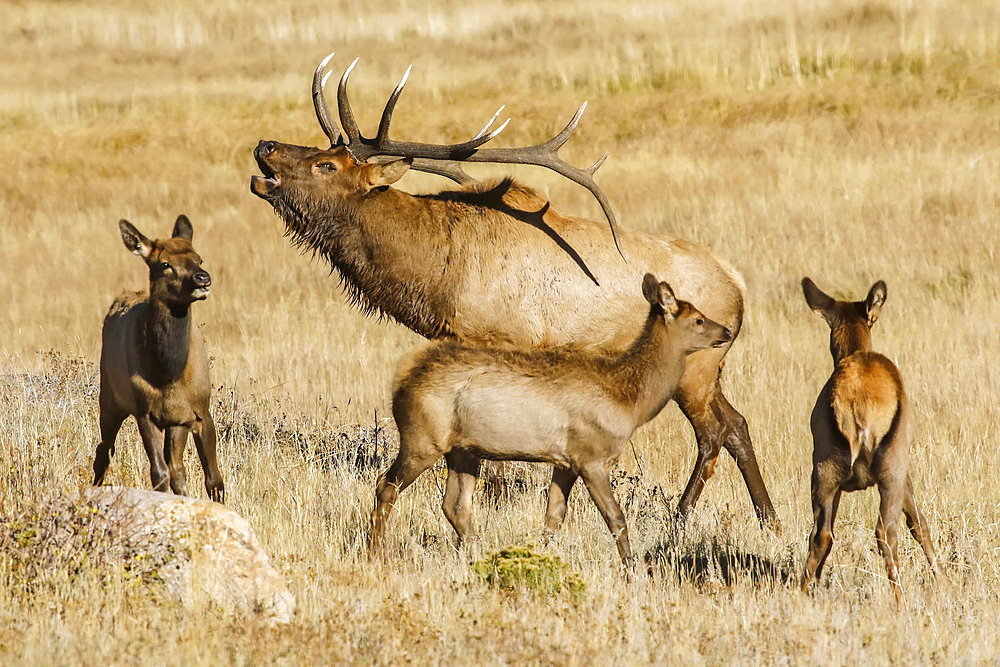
712, 559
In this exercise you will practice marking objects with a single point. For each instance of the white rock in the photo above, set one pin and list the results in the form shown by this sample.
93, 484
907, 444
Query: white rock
213, 549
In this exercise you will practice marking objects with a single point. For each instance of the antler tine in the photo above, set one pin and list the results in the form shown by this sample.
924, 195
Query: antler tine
557, 141
390, 106
326, 122
491, 121
448, 169
344, 105
597, 165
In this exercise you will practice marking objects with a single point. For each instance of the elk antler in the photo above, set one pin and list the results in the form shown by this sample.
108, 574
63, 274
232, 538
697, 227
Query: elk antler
446, 159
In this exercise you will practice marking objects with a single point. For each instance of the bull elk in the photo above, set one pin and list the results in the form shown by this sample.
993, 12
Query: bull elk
154, 367
495, 264
862, 427
575, 410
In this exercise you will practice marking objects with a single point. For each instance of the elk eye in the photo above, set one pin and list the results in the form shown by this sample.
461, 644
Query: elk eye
699, 321
326, 167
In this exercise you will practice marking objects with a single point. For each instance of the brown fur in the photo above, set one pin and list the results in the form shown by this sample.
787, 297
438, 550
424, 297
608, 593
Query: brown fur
862, 427
495, 264
573, 409
155, 368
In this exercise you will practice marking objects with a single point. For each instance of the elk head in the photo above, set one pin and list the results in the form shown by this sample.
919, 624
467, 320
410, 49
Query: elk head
850, 321
175, 274
690, 329
276, 160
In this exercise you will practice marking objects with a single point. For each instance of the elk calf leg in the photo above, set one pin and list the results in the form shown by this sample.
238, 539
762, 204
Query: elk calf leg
599, 485
463, 471
400, 475
562, 483
173, 450
204, 442
152, 442
826, 500
891, 502
918, 527
110, 424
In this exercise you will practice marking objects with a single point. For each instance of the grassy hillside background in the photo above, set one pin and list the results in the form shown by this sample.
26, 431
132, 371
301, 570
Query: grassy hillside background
844, 140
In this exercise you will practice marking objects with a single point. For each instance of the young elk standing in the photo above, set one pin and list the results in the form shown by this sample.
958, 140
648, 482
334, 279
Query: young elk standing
862, 427
572, 409
155, 368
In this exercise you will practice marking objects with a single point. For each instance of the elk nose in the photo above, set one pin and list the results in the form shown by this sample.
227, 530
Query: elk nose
202, 279
727, 335
264, 148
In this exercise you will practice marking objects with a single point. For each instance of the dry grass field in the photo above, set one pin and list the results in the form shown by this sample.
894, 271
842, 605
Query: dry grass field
847, 140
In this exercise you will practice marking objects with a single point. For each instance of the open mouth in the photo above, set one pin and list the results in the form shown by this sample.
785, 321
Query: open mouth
264, 186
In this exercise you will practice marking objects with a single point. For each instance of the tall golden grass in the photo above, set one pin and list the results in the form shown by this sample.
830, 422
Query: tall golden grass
848, 140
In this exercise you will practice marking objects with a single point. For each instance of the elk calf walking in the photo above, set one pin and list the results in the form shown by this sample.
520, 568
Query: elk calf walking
155, 368
862, 427
572, 409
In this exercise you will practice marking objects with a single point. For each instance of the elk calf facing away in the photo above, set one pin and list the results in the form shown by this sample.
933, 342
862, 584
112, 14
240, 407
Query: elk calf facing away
573, 409
862, 427
154, 367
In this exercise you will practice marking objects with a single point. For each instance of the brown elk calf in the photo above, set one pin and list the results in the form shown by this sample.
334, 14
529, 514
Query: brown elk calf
155, 368
573, 409
862, 426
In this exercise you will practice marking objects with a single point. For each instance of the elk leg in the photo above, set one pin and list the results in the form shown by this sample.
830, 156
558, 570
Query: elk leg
825, 501
110, 423
718, 424
204, 442
173, 452
400, 475
599, 485
463, 471
833, 521
918, 526
152, 441
562, 483
890, 503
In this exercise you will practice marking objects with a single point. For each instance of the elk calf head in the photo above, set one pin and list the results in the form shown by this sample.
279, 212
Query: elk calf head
690, 329
850, 321
175, 274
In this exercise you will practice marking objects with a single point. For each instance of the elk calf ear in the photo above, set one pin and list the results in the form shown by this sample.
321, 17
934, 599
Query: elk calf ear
667, 300
183, 228
133, 239
874, 301
389, 172
816, 298
651, 288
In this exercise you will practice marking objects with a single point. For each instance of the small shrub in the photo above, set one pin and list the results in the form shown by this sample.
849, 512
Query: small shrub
517, 567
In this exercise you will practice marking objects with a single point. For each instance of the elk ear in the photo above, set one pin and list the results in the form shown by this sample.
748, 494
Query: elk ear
667, 300
816, 298
183, 228
651, 288
388, 173
133, 239
874, 301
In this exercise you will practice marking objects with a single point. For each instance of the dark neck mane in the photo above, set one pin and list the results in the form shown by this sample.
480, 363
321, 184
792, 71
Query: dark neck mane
168, 339
392, 250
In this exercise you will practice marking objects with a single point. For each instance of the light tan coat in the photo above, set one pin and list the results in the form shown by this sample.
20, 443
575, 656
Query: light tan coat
574, 410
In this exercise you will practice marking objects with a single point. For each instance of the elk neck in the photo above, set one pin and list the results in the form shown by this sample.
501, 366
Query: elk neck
167, 340
645, 376
393, 253
846, 338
